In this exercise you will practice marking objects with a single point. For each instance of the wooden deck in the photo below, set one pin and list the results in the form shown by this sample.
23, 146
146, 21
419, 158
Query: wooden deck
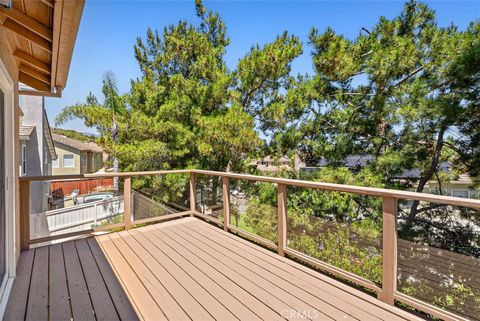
180, 270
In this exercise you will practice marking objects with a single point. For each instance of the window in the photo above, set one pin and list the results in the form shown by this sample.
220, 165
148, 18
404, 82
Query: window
68, 161
24, 160
461, 193
437, 191
45, 155
55, 163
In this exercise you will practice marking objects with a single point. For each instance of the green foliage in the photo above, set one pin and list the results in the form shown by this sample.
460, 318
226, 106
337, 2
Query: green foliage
335, 245
262, 219
338, 228
81, 137
169, 188
396, 92
456, 296
226, 137
185, 99
100, 116
263, 75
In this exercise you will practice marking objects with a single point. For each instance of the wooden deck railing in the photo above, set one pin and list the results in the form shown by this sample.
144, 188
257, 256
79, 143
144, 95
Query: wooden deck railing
127, 223
387, 292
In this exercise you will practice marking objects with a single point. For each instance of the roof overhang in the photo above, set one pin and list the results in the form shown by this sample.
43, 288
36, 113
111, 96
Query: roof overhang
41, 36
25, 132
47, 133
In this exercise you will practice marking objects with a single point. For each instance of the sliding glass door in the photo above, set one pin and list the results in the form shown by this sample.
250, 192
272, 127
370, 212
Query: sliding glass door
3, 254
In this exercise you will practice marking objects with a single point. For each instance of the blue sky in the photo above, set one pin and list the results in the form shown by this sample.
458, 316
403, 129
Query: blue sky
108, 31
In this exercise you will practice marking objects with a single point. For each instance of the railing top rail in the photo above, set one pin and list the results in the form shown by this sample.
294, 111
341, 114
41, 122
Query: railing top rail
102, 175
361, 190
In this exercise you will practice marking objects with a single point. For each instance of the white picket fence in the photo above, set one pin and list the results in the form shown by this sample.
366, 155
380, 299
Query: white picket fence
74, 218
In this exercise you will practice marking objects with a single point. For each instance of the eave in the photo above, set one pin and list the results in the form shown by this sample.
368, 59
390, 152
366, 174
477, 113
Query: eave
41, 36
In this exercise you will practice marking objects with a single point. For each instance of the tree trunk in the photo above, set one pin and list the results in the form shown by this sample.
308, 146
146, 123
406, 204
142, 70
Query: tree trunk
113, 136
426, 178
115, 179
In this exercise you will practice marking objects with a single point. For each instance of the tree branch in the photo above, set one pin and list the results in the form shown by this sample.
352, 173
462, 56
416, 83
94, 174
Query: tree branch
410, 75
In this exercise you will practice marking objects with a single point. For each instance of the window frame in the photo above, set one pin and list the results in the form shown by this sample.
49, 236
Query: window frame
73, 160
460, 190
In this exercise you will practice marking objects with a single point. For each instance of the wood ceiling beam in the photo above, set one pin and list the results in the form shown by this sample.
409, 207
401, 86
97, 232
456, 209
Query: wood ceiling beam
34, 73
32, 61
32, 82
48, 3
27, 92
27, 34
28, 23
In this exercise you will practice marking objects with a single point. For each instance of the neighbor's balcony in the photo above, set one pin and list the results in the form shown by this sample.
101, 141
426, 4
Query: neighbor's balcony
188, 269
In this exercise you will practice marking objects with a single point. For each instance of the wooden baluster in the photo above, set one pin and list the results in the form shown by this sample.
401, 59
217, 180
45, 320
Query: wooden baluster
127, 202
226, 203
192, 194
389, 278
24, 215
282, 218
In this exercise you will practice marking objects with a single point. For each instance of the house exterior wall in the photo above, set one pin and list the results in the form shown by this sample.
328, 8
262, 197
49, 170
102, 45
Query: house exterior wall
95, 162
9, 68
85, 162
449, 188
61, 151
38, 159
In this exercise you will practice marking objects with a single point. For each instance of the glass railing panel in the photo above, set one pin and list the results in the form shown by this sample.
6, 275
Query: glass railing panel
62, 207
209, 196
253, 207
159, 195
439, 256
342, 229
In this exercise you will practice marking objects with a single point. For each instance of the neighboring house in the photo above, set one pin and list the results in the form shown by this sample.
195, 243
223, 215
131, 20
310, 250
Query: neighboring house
353, 162
270, 164
75, 157
461, 186
36, 149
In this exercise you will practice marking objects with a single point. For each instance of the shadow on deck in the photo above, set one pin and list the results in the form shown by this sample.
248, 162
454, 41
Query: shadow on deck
180, 270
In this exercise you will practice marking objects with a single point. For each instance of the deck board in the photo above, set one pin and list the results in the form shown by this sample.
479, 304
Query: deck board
258, 307
122, 304
37, 308
81, 304
304, 300
101, 301
319, 297
181, 270
309, 279
145, 303
225, 298
59, 297
200, 295
59, 282
169, 306
17, 305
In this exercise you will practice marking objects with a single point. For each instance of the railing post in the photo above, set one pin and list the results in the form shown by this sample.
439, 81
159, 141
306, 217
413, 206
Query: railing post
389, 252
192, 194
24, 215
226, 203
127, 202
282, 218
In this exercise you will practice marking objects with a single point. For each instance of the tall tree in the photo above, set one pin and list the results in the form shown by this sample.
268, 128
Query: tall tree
398, 92
103, 117
264, 78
